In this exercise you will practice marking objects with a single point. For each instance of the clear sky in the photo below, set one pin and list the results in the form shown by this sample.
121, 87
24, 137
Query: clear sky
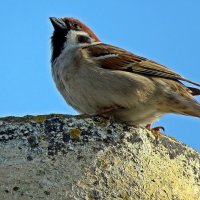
165, 31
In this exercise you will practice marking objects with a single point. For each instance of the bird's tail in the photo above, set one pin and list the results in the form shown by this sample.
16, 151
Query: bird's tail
194, 91
191, 108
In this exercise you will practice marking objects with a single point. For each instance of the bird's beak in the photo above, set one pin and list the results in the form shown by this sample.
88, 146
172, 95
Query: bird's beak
57, 23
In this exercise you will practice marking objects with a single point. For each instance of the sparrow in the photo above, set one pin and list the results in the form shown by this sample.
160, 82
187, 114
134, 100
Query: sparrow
98, 78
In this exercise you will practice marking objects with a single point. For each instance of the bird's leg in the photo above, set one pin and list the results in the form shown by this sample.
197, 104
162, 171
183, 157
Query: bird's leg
106, 113
103, 114
156, 130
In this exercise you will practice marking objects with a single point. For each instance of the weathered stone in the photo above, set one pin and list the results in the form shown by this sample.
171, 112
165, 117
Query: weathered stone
77, 158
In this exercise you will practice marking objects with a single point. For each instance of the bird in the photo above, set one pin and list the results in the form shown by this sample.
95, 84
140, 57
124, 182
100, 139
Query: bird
96, 78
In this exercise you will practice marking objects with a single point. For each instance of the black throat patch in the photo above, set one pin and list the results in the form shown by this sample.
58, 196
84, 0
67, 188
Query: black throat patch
57, 43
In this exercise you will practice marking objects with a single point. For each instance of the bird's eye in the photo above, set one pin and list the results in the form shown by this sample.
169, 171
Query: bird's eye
84, 39
77, 26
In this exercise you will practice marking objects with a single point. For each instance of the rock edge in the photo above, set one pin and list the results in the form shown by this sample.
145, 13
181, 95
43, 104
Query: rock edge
75, 157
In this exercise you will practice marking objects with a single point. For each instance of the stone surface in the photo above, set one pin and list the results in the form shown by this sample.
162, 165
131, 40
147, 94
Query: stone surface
66, 157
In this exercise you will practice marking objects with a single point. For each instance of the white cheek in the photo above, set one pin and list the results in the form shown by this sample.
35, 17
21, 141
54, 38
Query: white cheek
71, 39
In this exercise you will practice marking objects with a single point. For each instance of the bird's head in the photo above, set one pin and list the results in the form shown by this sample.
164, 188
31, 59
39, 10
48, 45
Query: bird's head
69, 32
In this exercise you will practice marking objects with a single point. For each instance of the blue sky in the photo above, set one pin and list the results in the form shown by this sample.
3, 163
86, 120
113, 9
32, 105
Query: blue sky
167, 32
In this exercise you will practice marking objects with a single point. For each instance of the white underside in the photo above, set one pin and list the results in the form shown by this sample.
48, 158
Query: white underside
90, 89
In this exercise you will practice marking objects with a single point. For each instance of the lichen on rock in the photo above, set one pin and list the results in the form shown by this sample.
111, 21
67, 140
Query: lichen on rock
75, 157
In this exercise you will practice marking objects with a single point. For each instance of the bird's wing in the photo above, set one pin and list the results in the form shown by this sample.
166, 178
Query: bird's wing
114, 58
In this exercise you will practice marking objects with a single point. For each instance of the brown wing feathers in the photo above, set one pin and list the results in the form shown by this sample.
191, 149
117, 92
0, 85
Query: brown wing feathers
126, 61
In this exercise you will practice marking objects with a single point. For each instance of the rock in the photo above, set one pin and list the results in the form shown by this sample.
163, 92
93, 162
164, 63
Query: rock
79, 158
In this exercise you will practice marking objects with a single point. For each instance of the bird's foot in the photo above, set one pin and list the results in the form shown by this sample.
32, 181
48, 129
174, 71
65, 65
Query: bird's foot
156, 130
105, 115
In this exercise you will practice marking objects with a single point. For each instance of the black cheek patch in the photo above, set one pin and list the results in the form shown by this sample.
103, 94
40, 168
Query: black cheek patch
84, 39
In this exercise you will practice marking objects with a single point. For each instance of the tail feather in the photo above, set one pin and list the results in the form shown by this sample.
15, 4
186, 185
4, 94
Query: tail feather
194, 91
191, 108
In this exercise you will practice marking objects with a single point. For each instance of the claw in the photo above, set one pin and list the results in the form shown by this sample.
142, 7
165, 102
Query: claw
156, 130
105, 119
106, 113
